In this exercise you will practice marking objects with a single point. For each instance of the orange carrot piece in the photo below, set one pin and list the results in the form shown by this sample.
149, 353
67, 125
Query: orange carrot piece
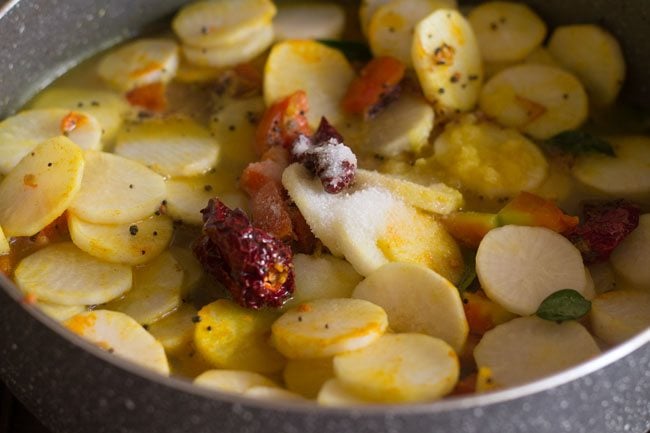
282, 123
151, 96
531, 210
469, 228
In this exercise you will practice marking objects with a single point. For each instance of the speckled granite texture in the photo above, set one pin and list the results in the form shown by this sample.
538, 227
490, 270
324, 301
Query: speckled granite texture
75, 388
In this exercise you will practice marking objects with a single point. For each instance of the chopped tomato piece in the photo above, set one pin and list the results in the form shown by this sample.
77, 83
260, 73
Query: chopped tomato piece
270, 169
282, 123
531, 210
151, 96
270, 213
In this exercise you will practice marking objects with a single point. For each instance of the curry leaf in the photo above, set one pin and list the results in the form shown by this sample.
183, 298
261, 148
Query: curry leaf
580, 142
566, 304
353, 50
466, 283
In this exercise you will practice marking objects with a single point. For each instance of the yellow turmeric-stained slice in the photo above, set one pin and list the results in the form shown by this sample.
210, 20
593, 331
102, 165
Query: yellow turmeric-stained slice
233, 381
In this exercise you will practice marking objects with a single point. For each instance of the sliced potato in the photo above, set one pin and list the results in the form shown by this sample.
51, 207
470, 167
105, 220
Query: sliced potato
58, 312
326, 327
233, 381
333, 393
107, 107
116, 190
390, 32
307, 376
447, 61
489, 160
581, 50
140, 62
5, 248
519, 267
631, 259
321, 277
225, 56
624, 175
231, 337
190, 73
156, 290
131, 244
272, 393
541, 56
41, 187
209, 23
417, 300
619, 315
192, 270
322, 72
119, 334
400, 368
436, 198
309, 21
539, 100
21, 133
175, 331
367, 10
506, 31
530, 348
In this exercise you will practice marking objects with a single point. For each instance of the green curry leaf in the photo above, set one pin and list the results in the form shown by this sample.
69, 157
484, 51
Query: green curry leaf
580, 142
566, 304
353, 50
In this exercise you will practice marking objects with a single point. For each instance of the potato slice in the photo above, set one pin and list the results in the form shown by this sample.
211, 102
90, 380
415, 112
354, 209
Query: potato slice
192, 270
156, 291
624, 175
119, 334
333, 393
321, 277
225, 56
539, 100
107, 107
231, 337
447, 61
58, 312
436, 198
20, 134
326, 327
489, 160
417, 300
519, 267
140, 62
506, 32
189, 73
391, 28
581, 50
400, 368
631, 259
309, 21
530, 348
233, 381
322, 72
131, 244
5, 248
619, 315
209, 23
541, 56
272, 394
63, 274
307, 376
175, 331
116, 190
366, 11
41, 187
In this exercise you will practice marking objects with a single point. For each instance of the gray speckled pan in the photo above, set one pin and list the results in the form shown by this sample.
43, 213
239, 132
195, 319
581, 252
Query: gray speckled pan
74, 387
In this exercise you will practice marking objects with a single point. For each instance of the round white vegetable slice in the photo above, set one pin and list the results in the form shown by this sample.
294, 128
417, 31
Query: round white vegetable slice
21, 133
540, 100
131, 244
175, 331
490, 160
631, 259
116, 190
224, 56
519, 267
209, 23
309, 21
138, 63
119, 334
60, 312
272, 393
321, 277
322, 72
623, 175
156, 290
107, 107
307, 376
41, 187
506, 31
447, 61
417, 300
619, 315
333, 393
63, 274
400, 368
581, 50
326, 327
171, 146
390, 32
233, 381
530, 348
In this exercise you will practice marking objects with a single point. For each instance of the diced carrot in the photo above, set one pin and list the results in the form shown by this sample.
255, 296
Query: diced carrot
151, 96
282, 123
258, 174
531, 210
377, 80
482, 314
469, 227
